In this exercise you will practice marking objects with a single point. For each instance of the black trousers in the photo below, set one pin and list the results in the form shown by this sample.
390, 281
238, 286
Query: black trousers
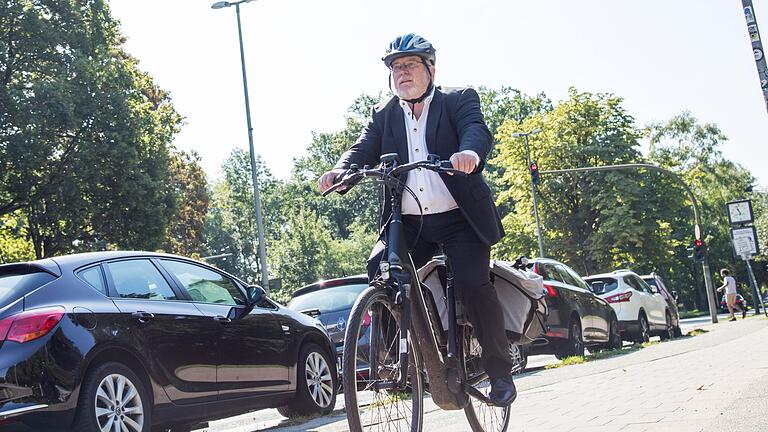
469, 258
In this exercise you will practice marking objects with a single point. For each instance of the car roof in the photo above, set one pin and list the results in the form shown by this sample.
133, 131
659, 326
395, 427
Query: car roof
68, 263
330, 283
614, 274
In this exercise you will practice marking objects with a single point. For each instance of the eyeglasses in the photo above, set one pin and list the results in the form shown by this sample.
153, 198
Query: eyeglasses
402, 67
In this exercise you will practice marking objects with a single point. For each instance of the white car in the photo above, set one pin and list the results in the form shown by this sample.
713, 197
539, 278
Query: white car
641, 309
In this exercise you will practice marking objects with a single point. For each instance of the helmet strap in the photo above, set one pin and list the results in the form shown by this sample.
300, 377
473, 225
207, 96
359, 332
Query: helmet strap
426, 92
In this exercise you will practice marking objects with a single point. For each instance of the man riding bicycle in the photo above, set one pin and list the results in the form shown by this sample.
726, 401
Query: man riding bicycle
459, 214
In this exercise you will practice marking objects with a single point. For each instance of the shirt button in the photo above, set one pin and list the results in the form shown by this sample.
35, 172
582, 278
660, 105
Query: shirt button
421, 189
417, 150
414, 129
426, 208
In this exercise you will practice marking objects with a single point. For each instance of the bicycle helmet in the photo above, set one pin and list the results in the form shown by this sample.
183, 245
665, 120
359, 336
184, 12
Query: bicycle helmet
409, 44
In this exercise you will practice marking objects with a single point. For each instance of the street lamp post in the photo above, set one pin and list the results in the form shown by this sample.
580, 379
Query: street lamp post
533, 187
256, 195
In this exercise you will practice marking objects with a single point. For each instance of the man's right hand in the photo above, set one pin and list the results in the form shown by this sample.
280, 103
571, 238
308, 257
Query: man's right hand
328, 179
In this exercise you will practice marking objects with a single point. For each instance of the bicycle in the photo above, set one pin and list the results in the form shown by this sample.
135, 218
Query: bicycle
395, 340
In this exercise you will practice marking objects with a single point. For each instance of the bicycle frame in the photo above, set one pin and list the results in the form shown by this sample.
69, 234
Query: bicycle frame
446, 373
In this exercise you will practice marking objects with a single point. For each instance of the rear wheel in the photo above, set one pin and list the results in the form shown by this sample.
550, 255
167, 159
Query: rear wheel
481, 416
372, 336
113, 399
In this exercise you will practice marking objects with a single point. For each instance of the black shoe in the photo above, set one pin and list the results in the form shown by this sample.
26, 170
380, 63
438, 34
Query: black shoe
503, 391
732, 319
743, 314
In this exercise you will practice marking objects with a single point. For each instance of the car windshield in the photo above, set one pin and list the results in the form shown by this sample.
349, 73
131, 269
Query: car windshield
603, 285
15, 285
328, 299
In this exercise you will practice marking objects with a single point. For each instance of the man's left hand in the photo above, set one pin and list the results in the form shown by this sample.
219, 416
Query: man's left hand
464, 162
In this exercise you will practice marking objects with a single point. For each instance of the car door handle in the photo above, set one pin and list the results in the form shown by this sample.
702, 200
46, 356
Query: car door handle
222, 319
143, 316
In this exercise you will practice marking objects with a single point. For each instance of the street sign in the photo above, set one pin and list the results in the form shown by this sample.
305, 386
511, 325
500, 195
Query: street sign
739, 212
757, 47
745, 241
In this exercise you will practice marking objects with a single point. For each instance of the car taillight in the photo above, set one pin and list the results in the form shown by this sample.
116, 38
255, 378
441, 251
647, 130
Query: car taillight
618, 298
30, 325
551, 291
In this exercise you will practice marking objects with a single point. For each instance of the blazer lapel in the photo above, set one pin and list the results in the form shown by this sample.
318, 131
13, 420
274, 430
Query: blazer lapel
433, 119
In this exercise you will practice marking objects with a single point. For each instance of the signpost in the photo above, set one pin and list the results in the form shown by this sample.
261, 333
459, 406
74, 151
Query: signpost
745, 244
757, 46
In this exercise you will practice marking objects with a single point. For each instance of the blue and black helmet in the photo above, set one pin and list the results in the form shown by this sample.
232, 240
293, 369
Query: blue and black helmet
407, 45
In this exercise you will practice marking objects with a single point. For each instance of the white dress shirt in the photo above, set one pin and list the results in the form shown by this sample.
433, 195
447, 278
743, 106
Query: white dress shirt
427, 185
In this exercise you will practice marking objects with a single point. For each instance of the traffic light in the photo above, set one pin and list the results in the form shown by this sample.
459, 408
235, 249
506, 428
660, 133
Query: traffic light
698, 250
534, 168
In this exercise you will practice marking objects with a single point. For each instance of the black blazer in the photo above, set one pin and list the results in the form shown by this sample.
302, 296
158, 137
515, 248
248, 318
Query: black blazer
454, 123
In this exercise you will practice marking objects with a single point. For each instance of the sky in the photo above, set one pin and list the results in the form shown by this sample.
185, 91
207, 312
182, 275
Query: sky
307, 60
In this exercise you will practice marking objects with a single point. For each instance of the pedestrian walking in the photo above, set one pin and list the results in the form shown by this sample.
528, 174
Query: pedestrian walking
729, 285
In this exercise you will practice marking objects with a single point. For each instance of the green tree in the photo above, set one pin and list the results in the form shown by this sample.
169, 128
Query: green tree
84, 134
186, 232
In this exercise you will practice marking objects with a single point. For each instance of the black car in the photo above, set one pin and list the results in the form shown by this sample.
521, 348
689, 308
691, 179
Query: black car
654, 280
150, 341
577, 317
330, 302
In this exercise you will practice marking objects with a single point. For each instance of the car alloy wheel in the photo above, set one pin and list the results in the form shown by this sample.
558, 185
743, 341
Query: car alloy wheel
118, 406
644, 336
319, 380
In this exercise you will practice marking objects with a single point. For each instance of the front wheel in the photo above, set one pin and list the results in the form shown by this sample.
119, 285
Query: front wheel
481, 416
372, 337
315, 384
575, 344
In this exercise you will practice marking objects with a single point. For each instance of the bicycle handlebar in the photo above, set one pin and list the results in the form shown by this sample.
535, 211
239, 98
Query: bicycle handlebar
353, 176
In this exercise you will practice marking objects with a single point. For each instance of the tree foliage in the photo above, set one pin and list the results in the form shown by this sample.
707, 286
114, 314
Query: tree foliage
84, 134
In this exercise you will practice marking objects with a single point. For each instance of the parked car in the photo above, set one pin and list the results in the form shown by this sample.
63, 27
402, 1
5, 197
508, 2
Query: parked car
577, 318
330, 302
641, 310
152, 341
740, 302
654, 280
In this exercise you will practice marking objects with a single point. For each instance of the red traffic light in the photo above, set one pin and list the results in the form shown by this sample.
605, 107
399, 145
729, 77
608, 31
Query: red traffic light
698, 243
534, 167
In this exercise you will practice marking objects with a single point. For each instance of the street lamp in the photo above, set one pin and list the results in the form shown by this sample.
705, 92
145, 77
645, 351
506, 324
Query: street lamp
533, 185
256, 196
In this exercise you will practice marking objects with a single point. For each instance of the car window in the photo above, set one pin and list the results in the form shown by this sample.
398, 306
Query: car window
550, 273
139, 279
643, 285
575, 276
329, 299
603, 285
14, 285
94, 278
566, 276
205, 285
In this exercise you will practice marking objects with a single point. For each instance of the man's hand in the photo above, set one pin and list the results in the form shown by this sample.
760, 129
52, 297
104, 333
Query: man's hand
464, 162
326, 180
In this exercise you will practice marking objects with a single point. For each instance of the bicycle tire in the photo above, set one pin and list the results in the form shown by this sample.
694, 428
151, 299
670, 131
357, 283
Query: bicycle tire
481, 417
371, 410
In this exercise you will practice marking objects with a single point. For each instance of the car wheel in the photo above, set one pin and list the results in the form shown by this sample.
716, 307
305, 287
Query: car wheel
614, 335
643, 334
669, 330
316, 385
575, 344
113, 397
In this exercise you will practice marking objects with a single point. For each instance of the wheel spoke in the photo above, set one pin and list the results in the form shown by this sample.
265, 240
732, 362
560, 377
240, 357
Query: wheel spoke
136, 426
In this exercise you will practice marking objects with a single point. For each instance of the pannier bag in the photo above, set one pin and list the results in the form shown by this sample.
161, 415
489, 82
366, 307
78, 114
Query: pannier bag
521, 294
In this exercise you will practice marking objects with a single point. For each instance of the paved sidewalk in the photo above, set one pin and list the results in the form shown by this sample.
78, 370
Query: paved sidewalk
712, 382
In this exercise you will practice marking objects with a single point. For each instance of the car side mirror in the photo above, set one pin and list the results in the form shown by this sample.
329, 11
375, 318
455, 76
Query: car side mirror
255, 294
674, 295
654, 290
